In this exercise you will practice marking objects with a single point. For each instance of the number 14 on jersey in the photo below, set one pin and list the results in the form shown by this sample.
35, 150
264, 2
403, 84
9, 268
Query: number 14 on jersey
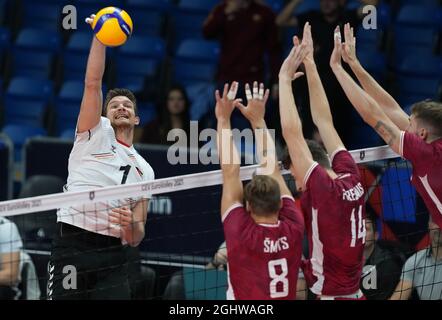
360, 232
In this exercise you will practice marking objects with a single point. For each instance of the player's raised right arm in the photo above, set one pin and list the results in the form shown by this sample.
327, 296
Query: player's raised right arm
228, 154
300, 154
366, 106
319, 106
91, 104
265, 145
382, 97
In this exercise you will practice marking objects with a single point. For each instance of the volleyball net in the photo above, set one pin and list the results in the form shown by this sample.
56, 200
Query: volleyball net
182, 255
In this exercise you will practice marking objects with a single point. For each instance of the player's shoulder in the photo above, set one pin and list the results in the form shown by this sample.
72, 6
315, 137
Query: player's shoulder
437, 145
3, 221
234, 210
418, 259
288, 203
144, 163
7, 226
412, 147
341, 154
102, 129
288, 199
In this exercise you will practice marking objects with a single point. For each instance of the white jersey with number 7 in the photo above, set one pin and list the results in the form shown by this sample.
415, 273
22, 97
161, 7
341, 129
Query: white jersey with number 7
99, 160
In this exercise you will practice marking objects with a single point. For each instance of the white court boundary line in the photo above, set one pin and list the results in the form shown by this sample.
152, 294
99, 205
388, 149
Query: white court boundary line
165, 185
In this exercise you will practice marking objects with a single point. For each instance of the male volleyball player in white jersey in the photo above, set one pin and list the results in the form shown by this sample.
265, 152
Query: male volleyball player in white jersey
92, 238
332, 200
417, 138
264, 236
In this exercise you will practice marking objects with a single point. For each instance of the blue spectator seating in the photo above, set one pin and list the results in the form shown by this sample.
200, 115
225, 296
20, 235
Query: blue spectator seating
34, 52
41, 15
139, 59
19, 134
398, 195
198, 50
202, 284
26, 100
147, 113
67, 105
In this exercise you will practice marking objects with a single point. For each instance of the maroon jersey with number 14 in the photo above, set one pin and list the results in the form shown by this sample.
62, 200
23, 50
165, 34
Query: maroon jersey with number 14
334, 214
263, 259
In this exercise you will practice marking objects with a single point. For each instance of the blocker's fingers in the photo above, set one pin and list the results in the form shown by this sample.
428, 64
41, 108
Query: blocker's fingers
248, 92
337, 35
233, 90
255, 90
261, 91
226, 89
217, 96
240, 106
266, 95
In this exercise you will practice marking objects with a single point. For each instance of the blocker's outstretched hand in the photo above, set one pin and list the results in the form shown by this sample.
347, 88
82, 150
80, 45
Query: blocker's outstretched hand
225, 104
349, 46
256, 101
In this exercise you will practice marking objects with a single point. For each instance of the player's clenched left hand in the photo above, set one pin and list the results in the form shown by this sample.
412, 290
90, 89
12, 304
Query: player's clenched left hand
226, 103
256, 101
121, 216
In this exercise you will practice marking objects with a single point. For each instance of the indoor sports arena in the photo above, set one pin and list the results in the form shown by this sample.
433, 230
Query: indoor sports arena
220, 150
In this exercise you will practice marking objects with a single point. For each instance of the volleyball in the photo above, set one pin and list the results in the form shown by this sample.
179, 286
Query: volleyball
112, 26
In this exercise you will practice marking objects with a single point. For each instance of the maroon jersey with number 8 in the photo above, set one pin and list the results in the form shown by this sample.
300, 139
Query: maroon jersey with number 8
263, 259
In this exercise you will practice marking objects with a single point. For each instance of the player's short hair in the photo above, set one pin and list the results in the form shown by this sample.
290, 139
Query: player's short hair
318, 153
119, 92
430, 112
263, 195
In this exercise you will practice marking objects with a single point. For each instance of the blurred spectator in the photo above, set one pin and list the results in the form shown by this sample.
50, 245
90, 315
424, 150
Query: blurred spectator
249, 38
383, 263
247, 32
423, 270
323, 22
174, 114
10, 246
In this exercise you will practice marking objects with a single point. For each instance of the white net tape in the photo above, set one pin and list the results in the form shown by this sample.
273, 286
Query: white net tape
159, 186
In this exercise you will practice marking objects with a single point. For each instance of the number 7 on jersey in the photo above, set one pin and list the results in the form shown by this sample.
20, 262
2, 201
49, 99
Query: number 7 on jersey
125, 170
